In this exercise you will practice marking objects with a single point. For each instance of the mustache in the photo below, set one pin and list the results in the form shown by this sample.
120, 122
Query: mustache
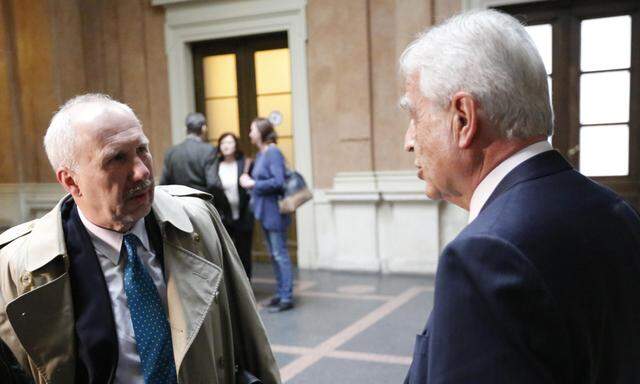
141, 186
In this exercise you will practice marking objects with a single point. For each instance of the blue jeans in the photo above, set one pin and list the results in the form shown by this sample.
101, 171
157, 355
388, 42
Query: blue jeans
277, 246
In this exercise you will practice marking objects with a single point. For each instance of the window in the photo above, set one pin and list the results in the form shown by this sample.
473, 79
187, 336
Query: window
592, 54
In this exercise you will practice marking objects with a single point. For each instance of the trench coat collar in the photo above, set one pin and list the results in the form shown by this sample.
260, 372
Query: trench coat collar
167, 211
50, 244
48, 229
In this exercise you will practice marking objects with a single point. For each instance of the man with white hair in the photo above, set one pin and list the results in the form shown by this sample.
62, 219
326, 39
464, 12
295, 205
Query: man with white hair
542, 286
123, 282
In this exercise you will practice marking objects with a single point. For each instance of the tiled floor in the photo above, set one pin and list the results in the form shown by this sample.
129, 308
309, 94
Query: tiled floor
346, 328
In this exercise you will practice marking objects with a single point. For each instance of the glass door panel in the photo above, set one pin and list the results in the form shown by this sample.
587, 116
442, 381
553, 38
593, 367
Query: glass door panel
221, 95
273, 94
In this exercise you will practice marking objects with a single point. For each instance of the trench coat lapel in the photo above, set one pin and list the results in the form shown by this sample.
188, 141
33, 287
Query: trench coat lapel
42, 316
192, 281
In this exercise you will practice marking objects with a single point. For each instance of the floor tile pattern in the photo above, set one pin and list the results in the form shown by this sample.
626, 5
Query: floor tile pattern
346, 327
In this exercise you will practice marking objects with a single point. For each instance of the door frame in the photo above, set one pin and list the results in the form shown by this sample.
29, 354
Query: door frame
188, 21
242, 48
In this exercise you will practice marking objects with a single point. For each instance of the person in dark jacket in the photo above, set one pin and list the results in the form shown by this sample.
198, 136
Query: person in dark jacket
543, 285
189, 163
230, 199
266, 182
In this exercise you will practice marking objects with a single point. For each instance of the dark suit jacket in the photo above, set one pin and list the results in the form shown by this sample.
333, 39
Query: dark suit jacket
542, 287
189, 163
96, 339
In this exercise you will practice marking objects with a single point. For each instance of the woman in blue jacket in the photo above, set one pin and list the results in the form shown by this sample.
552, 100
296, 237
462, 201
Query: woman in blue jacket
266, 182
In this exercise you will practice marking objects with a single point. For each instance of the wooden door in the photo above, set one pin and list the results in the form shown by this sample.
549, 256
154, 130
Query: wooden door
238, 79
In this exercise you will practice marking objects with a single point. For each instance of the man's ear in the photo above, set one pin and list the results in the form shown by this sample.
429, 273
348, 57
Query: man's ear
66, 178
465, 119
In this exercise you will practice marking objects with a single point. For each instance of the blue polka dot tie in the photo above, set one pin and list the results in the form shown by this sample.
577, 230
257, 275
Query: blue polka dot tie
150, 324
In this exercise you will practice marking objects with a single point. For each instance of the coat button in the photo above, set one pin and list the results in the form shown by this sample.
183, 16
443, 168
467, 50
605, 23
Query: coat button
196, 237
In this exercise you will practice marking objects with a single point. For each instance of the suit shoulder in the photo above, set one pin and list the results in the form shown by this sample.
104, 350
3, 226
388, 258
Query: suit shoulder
16, 232
479, 240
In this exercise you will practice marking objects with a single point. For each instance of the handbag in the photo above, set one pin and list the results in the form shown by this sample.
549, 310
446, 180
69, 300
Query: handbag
295, 192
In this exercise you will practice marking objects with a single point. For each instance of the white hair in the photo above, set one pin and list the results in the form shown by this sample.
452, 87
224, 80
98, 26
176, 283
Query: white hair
60, 139
489, 55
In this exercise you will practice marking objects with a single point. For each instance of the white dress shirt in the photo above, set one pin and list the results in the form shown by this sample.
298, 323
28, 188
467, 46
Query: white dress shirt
107, 244
486, 187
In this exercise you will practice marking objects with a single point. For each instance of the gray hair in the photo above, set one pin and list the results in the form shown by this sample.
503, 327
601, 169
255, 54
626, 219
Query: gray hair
194, 122
60, 139
490, 55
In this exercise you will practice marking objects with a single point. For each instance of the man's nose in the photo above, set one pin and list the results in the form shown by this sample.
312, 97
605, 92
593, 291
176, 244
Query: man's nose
410, 137
140, 170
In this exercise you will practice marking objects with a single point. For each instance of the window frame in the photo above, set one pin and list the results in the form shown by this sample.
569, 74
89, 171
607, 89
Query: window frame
565, 18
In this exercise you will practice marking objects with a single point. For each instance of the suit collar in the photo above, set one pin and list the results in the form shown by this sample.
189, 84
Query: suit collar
486, 187
544, 164
194, 137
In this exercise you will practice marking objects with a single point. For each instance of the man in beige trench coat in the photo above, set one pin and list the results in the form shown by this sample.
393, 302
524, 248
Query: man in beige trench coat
72, 284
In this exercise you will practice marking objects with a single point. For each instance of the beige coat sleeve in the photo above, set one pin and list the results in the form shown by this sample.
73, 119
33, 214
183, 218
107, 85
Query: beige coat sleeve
255, 353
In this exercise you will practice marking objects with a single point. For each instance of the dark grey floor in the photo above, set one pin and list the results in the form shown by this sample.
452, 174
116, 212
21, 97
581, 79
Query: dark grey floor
346, 328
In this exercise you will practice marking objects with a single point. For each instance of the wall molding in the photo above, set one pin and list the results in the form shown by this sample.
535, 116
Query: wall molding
377, 186
468, 5
24, 202
382, 221
191, 21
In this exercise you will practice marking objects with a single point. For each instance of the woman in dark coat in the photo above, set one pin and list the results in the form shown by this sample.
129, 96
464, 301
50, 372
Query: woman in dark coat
267, 182
230, 199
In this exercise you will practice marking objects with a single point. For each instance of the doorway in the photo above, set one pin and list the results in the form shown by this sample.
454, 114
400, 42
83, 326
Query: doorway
238, 79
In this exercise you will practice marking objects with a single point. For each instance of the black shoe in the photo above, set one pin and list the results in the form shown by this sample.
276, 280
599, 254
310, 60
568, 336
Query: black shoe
271, 302
281, 307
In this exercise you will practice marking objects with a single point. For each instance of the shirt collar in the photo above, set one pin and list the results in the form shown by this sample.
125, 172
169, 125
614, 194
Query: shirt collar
108, 242
486, 187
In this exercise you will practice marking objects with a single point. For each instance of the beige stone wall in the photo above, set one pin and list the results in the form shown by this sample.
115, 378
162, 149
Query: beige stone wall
51, 50
354, 87
339, 87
